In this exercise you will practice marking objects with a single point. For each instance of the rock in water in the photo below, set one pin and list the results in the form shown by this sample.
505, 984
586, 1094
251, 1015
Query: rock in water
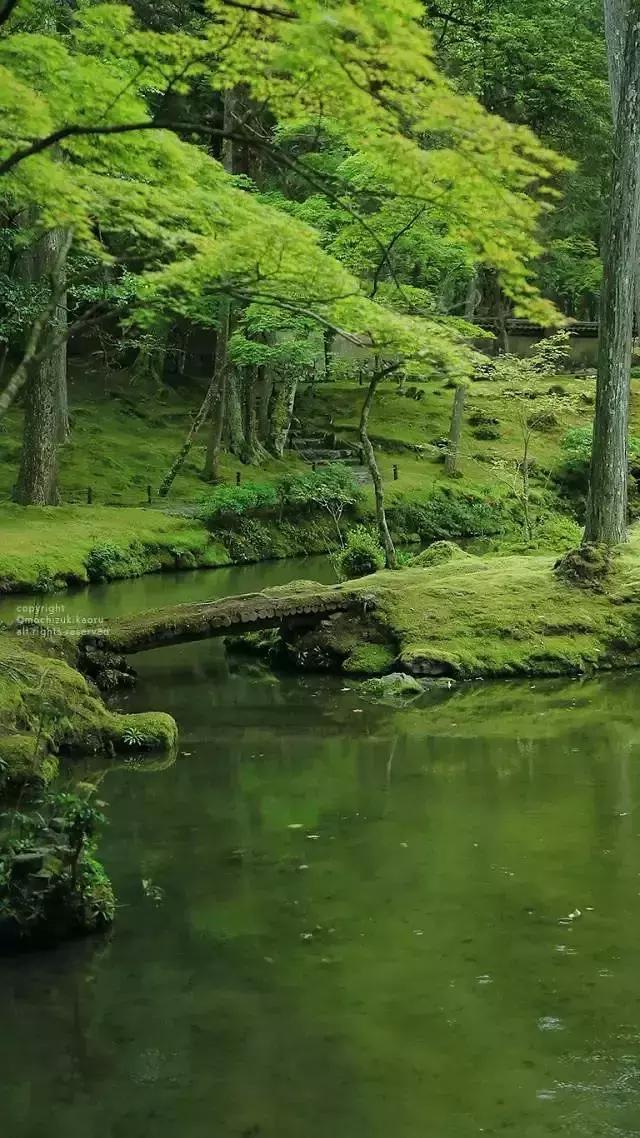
394, 688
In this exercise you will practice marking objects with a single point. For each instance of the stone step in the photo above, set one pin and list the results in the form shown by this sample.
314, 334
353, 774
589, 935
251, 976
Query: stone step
322, 454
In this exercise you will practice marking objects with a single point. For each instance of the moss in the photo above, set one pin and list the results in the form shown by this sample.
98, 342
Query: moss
395, 688
47, 707
587, 566
438, 554
505, 616
343, 642
369, 660
24, 763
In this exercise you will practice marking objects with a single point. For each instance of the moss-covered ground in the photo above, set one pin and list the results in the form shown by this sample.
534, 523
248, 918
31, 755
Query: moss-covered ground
508, 616
473, 617
124, 436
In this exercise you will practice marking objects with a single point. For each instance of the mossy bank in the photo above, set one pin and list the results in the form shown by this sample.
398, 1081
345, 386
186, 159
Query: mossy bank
46, 549
48, 709
472, 617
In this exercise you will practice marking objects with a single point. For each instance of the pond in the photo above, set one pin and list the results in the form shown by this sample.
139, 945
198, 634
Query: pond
339, 920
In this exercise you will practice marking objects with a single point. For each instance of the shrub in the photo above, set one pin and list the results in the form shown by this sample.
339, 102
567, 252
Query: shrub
226, 503
450, 513
544, 421
487, 432
571, 474
330, 487
361, 556
482, 419
106, 561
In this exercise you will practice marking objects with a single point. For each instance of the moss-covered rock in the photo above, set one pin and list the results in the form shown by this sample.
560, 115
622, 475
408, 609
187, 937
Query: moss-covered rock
51, 885
438, 554
346, 641
47, 708
394, 688
369, 660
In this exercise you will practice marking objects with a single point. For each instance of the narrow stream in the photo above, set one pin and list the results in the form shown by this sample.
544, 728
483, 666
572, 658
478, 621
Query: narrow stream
343, 921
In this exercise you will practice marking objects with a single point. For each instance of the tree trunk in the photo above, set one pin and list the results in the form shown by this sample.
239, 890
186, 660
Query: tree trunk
234, 415
176, 465
376, 477
219, 396
263, 398
327, 344
38, 475
472, 298
607, 506
281, 404
455, 430
252, 379
46, 414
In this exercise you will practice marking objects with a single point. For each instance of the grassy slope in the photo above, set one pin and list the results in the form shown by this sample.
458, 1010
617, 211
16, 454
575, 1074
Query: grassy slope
39, 544
398, 423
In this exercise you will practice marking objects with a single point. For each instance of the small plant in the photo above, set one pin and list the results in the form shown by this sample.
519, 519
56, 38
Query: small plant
361, 556
132, 737
333, 489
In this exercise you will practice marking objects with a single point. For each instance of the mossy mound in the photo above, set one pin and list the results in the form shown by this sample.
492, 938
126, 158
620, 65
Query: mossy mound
507, 616
588, 566
438, 554
47, 707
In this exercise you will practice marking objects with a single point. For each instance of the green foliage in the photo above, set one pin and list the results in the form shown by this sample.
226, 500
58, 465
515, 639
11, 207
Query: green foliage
448, 512
361, 555
332, 488
51, 885
228, 503
108, 562
571, 472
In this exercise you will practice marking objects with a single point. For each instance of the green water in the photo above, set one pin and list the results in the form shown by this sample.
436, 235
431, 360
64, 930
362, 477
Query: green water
340, 921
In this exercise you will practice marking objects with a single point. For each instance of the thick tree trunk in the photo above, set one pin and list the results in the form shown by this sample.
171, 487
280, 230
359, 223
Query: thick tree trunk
263, 397
46, 413
607, 506
234, 416
252, 379
455, 430
219, 396
376, 477
281, 404
38, 475
472, 298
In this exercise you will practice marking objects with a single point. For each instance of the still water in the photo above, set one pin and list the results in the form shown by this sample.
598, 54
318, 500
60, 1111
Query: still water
339, 920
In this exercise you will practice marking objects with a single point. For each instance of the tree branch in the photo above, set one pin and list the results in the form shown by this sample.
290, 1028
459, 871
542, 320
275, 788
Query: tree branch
274, 13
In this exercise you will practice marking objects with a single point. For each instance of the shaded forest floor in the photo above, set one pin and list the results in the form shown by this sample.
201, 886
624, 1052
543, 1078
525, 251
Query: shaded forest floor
125, 435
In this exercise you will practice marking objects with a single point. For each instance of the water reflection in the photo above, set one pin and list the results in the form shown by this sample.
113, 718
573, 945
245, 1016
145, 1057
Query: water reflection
408, 923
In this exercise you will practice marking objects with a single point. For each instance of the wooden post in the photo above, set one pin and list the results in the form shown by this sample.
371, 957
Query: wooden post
89, 495
238, 478
395, 472
149, 495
